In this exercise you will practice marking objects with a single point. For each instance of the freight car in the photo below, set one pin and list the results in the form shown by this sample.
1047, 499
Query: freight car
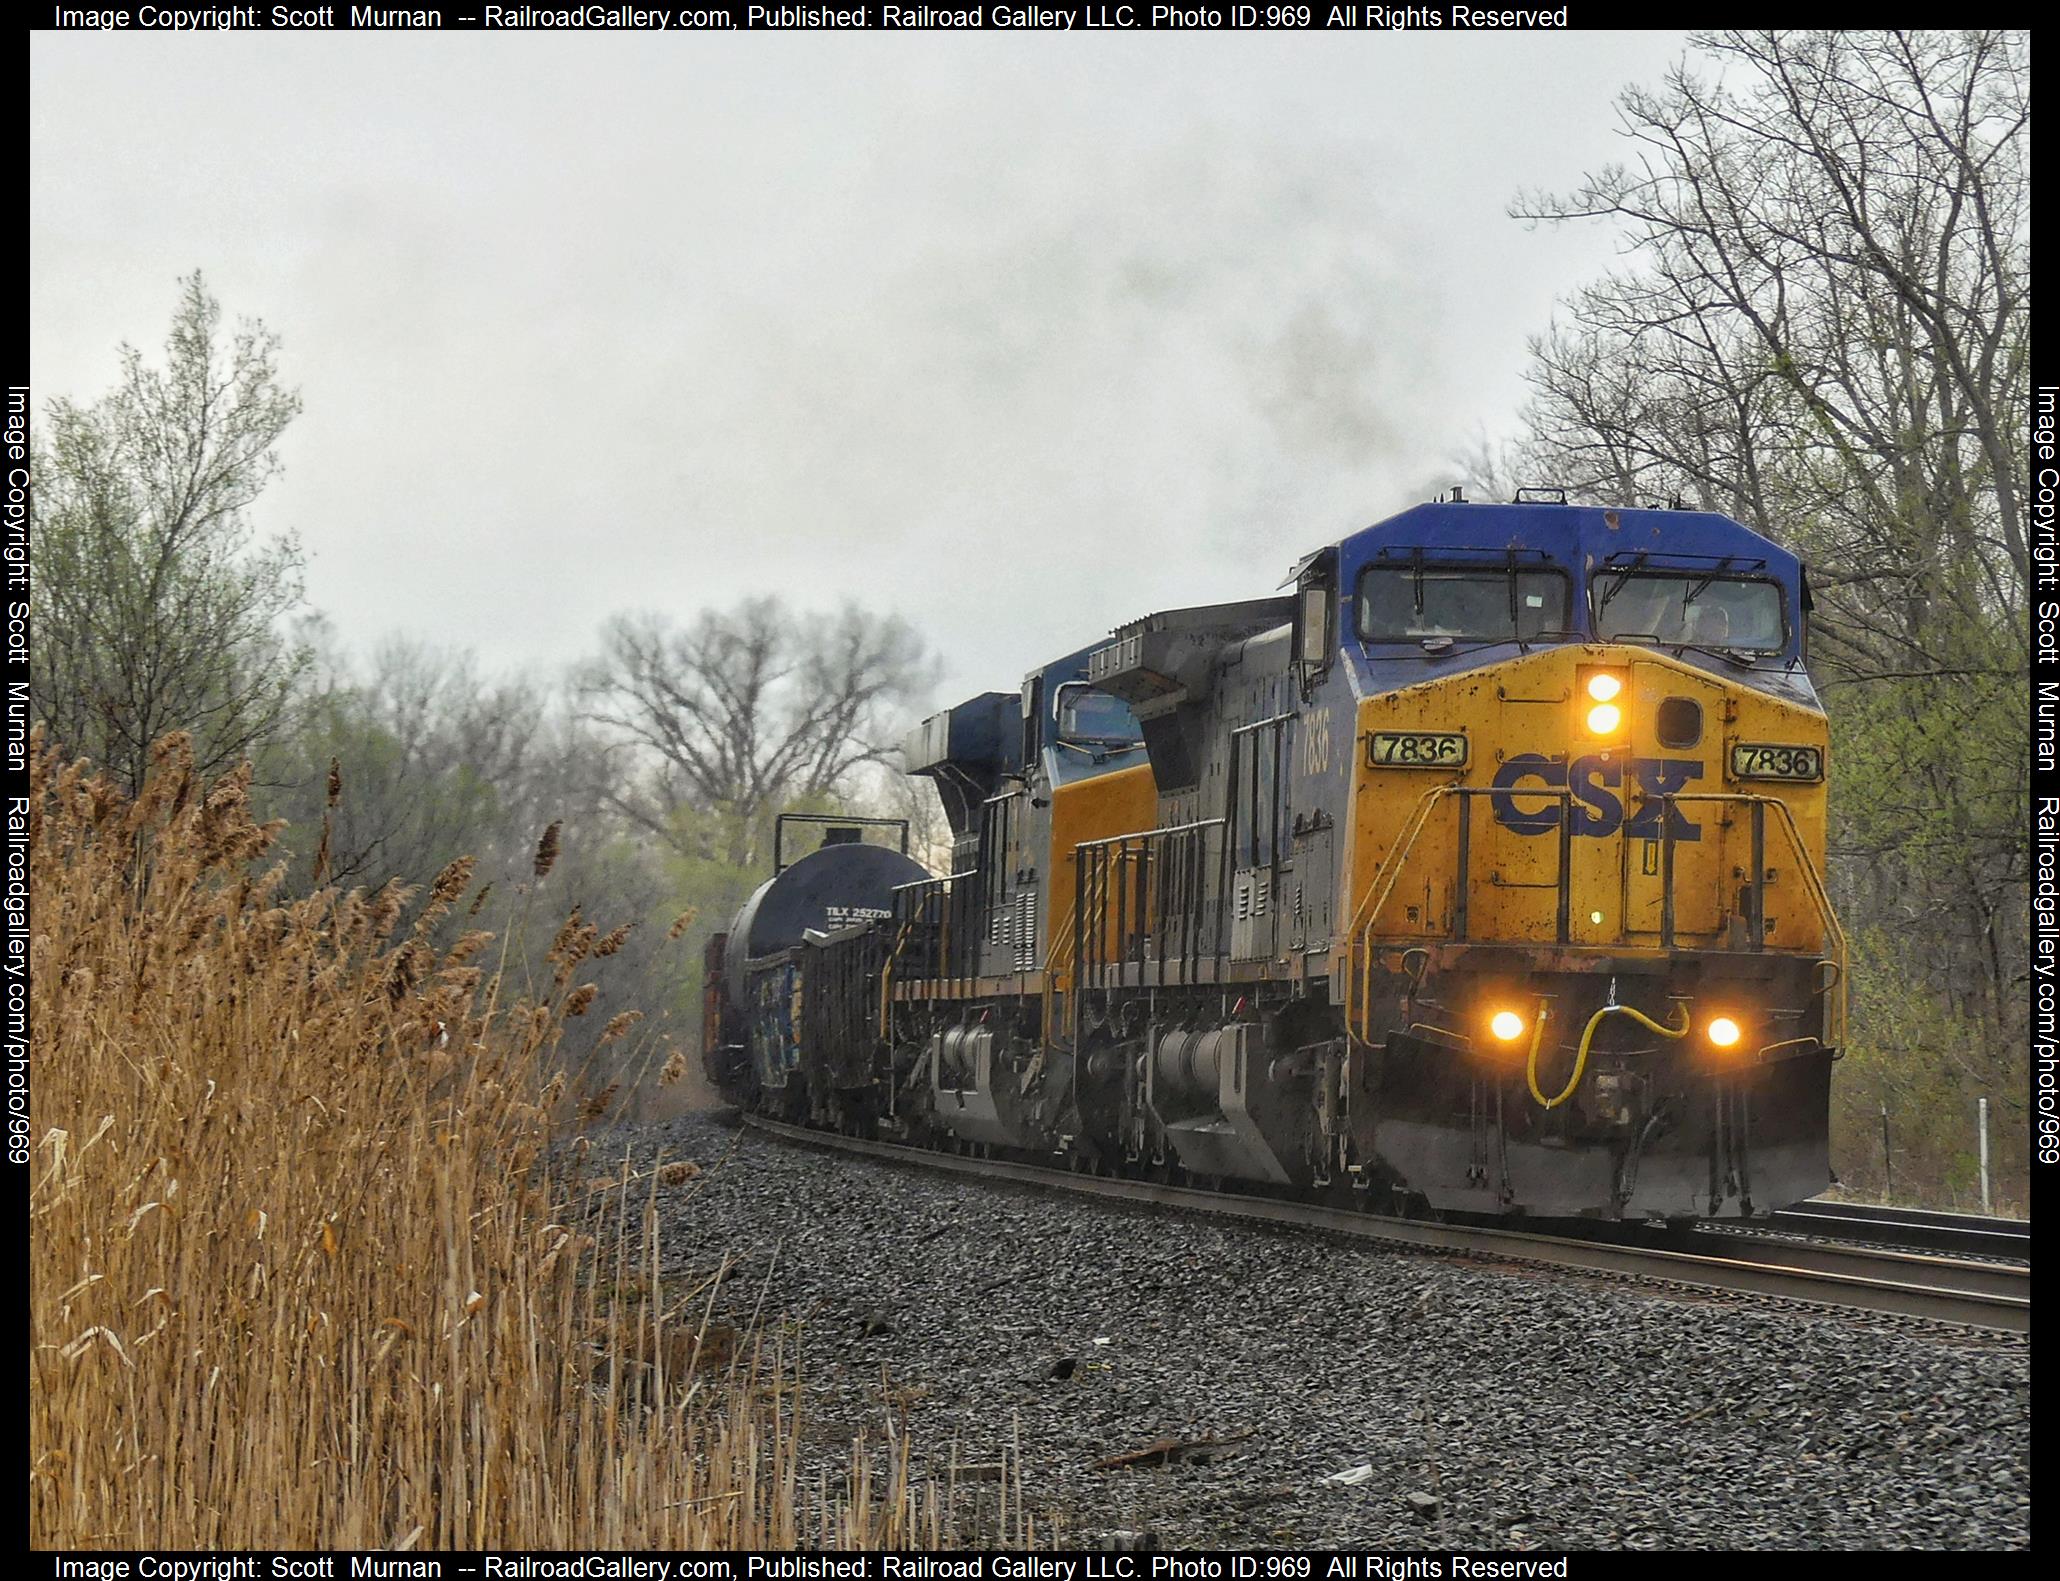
1481, 872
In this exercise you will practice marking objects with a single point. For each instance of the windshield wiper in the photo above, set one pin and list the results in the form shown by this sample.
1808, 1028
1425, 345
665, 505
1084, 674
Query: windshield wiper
1742, 657
1702, 587
1623, 576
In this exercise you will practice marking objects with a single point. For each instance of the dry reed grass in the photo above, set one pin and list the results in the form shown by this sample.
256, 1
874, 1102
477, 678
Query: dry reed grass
302, 1274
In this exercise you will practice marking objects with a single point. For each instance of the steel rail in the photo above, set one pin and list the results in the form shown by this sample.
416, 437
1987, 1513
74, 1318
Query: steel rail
1890, 1214
1727, 1238
1967, 1233
1930, 1288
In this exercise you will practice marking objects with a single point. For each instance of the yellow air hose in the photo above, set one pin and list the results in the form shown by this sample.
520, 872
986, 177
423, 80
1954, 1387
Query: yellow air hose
1587, 1038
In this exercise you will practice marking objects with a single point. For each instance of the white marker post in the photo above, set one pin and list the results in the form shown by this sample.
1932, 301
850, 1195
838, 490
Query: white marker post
1984, 1157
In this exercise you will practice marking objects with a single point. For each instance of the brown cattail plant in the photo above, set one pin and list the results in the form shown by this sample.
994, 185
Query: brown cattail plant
563, 941
451, 882
401, 976
387, 907
305, 1268
547, 849
682, 922
468, 945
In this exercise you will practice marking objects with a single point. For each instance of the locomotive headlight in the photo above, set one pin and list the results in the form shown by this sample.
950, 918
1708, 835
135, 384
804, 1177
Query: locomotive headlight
1506, 1025
1602, 695
1723, 1032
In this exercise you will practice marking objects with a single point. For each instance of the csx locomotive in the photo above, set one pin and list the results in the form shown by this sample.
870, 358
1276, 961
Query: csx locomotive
1481, 872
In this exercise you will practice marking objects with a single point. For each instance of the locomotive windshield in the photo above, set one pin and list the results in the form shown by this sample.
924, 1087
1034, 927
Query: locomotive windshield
1705, 611
1086, 714
1409, 603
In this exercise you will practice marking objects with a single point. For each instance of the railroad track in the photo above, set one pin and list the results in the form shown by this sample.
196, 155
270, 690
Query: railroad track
1964, 1234
1911, 1283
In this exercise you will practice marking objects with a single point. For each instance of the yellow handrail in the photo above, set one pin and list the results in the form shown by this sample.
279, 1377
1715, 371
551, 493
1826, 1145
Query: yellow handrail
1410, 831
887, 979
1359, 958
1820, 897
1376, 899
1059, 954
1835, 1003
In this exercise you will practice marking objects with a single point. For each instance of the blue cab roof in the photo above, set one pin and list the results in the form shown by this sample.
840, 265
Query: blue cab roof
1586, 542
1574, 536
1583, 540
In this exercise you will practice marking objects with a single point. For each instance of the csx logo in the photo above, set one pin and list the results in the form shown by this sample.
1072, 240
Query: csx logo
1596, 805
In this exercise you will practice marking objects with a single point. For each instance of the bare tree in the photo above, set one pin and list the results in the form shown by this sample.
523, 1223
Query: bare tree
745, 711
1823, 331
154, 606
436, 762
1830, 325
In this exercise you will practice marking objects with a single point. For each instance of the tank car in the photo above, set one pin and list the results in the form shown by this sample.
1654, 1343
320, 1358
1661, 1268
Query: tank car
775, 981
1481, 872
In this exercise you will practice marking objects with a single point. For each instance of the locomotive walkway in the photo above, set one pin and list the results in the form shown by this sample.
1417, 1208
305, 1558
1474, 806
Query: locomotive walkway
1945, 1289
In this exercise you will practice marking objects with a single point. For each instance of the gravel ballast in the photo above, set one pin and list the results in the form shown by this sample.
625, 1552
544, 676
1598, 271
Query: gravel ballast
1490, 1407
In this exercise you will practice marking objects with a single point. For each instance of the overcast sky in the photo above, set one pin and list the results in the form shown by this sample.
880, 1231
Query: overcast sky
1019, 335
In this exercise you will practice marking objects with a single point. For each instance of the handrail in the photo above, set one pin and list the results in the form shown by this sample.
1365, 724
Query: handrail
917, 896
1106, 873
887, 981
1410, 830
1059, 953
1377, 895
1359, 934
1835, 1003
1151, 834
1362, 920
